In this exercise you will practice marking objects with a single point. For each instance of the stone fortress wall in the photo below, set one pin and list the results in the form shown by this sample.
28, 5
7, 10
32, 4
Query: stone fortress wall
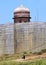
30, 36
6, 38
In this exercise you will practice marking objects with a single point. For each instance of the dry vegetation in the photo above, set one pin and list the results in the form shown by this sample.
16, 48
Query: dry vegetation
31, 59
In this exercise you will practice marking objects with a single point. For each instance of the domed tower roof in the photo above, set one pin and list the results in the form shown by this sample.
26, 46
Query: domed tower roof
21, 9
21, 14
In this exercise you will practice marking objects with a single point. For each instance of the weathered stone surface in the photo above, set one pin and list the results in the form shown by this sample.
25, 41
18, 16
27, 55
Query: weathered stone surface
21, 37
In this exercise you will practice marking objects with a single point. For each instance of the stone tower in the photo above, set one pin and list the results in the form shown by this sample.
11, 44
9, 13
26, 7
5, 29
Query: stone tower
21, 14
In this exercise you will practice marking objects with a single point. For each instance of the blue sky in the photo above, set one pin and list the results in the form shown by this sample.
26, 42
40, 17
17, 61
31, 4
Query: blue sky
37, 9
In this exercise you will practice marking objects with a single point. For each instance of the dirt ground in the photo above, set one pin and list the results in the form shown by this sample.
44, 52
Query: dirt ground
31, 57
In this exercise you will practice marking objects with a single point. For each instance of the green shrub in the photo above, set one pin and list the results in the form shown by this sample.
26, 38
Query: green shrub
37, 53
43, 51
